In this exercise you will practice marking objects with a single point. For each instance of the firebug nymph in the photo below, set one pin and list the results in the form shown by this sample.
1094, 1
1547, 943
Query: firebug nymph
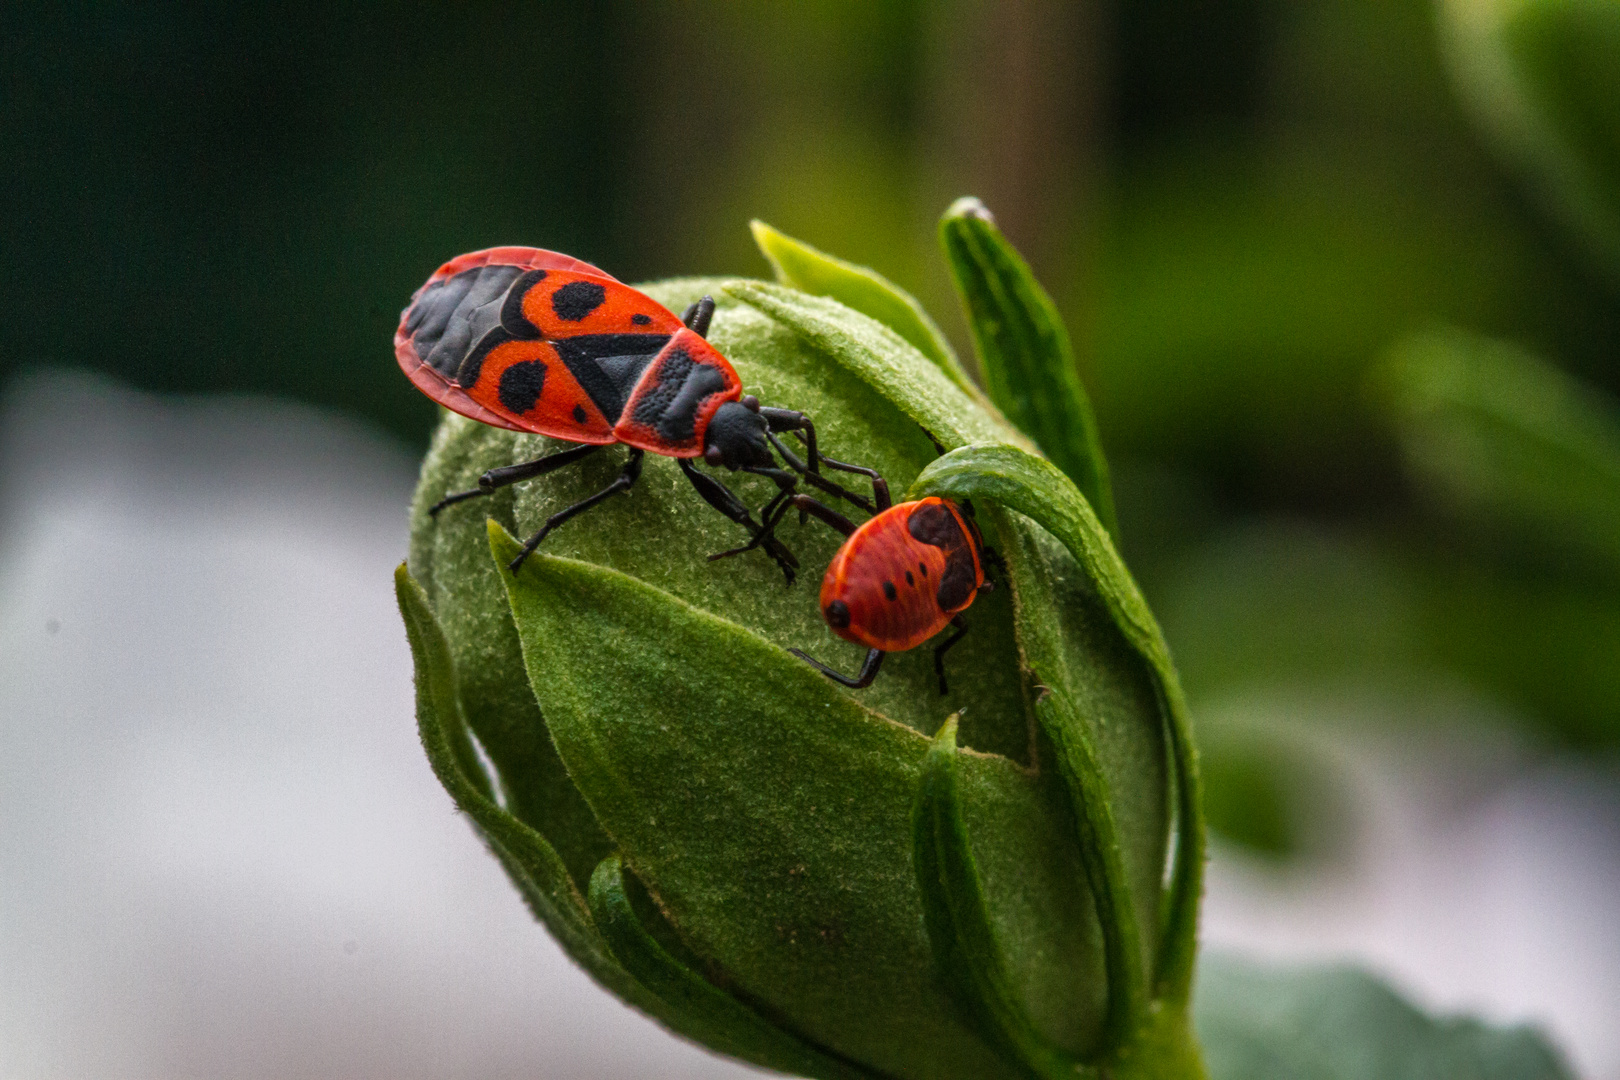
899, 579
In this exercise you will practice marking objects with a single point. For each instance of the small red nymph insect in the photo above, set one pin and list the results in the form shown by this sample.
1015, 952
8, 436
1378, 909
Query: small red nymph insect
899, 579
532, 340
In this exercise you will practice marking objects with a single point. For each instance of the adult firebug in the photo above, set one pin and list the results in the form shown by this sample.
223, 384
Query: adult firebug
899, 579
536, 341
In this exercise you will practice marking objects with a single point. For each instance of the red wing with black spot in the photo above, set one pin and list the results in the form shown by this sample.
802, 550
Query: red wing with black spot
531, 340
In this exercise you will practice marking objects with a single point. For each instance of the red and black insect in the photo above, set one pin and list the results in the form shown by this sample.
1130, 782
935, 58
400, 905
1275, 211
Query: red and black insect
535, 341
899, 579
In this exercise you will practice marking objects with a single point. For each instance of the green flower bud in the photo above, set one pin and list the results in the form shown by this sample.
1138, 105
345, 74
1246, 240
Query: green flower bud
830, 883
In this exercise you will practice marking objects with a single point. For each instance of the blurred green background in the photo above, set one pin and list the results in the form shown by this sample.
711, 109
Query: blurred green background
1344, 277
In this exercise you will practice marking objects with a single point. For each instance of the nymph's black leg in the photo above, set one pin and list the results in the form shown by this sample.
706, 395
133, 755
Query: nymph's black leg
512, 474
810, 472
721, 498
939, 651
869, 669
626, 480
697, 316
777, 508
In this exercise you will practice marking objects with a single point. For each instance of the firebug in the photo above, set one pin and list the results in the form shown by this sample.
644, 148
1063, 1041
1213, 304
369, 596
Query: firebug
536, 341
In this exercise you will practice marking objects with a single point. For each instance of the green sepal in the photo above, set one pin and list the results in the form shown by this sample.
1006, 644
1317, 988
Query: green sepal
531, 861
875, 355
713, 1017
966, 952
1032, 486
768, 813
1092, 802
802, 267
1024, 351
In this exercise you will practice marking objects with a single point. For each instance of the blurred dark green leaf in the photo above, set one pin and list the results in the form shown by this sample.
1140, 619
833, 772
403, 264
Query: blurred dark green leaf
1542, 79
1334, 1023
1246, 796
1510, 441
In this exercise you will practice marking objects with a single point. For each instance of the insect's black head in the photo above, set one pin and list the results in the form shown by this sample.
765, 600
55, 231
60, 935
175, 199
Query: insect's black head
736, 436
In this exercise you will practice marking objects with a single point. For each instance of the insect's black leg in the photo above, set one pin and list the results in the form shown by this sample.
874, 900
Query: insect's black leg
697, 316
869, 670
880, 486
722, 499
512, 474
939, 651
626, 479
805, 504
778, 508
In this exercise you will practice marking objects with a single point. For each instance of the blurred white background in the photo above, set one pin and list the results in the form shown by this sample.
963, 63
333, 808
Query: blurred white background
223, 855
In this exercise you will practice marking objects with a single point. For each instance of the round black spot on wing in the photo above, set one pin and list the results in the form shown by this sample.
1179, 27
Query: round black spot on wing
889, 592
521, 385
580, 415
837, 614
911, 579
641, 320
577, 299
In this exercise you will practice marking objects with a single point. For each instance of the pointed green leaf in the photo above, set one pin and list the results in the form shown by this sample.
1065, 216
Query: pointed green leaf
712, 1016
1032, 486
769, 813
800, 266
868, 350
959, 923
1024, 351
1334, 1023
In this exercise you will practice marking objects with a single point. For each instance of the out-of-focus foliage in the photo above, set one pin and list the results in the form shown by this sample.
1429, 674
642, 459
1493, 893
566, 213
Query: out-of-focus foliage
1261, 1023
1540, 78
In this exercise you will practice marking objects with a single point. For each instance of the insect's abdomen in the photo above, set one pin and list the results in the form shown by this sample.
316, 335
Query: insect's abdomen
901, 589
